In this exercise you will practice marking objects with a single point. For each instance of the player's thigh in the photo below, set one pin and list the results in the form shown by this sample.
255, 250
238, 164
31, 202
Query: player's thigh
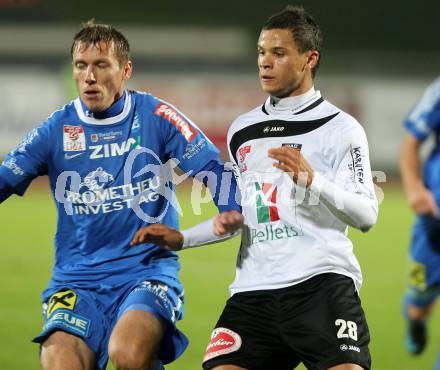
136, 337
145, 327
72, 314
62, 350
324, 323
427, 228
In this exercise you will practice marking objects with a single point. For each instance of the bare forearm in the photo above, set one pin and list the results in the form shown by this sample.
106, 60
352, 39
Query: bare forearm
410, 164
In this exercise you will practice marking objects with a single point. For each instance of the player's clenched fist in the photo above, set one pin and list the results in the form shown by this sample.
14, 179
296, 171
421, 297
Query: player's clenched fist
227, 222
291, 160
422, 201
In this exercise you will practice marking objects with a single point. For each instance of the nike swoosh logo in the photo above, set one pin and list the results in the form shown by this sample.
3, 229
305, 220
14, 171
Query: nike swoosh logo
70, 156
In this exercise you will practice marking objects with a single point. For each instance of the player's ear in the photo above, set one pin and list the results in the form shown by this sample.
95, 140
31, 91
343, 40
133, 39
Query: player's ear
312, 59
127, 70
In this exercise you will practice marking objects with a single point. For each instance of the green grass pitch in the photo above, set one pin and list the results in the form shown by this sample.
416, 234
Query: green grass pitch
27, 227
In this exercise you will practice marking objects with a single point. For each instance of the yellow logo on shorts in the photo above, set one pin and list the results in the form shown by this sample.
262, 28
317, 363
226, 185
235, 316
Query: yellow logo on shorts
65, 299
417, 275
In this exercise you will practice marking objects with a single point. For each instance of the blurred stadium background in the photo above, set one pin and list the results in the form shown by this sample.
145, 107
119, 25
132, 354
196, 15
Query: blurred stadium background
200, 55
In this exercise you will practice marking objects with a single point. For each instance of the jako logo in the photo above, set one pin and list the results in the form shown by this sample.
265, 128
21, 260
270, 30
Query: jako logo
345, 347
114, 149
273, 129
266, 199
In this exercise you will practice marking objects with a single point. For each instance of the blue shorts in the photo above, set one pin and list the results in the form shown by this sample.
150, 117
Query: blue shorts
424, 276
92, 315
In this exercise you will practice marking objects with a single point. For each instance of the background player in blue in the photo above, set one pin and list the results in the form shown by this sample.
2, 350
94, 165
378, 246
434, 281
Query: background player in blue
423, 193
107, 155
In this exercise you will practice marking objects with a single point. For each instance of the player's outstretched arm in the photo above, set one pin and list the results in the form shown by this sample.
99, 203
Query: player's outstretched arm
419, 197
162, 235
221, 227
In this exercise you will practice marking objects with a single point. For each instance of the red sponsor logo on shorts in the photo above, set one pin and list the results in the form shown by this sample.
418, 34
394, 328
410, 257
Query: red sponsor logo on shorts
222, 341
177, 120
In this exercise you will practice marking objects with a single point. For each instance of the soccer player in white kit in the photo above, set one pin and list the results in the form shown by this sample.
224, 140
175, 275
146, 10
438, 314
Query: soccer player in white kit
304, 174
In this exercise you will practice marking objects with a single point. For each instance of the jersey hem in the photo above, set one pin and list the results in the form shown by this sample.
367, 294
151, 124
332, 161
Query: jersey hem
356, 282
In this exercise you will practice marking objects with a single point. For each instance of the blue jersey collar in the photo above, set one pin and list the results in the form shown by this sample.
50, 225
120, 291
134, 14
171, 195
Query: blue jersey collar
117, 112
116, 108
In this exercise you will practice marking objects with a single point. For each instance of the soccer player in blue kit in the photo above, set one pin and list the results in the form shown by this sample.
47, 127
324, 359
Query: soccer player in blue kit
423, 193
108, 157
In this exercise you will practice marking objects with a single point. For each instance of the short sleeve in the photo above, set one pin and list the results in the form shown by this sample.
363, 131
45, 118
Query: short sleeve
184, 141
424, 118
28, 160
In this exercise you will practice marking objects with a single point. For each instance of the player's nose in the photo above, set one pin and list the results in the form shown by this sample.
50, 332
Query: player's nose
265, 62
90, 76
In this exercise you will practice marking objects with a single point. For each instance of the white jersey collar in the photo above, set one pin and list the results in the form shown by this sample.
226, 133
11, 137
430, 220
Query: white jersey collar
292, 104
106, 121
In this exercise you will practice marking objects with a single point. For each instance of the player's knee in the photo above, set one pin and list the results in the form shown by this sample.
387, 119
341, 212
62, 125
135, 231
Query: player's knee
134, 341
418, 313
61, 348
130, 357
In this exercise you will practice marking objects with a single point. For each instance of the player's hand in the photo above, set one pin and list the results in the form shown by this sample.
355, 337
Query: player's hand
422, 202
291, 160
227, 222
162, 235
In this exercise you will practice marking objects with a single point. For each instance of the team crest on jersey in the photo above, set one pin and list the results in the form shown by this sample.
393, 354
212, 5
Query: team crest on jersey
94, 138
177, 120
74, 138
266, 200
222, 341
242, 153
65, 299
97, 179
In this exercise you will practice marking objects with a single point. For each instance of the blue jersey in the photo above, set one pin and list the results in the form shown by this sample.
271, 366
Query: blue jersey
110, 177
423, 121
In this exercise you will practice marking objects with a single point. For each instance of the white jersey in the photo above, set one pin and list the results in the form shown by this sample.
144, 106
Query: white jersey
290, 235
